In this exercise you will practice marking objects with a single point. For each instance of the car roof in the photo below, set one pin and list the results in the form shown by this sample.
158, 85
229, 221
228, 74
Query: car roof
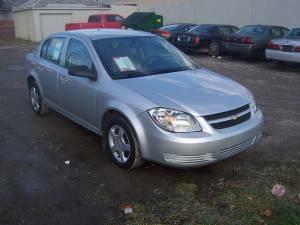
95, 34
217, 25
172, 24
263, 25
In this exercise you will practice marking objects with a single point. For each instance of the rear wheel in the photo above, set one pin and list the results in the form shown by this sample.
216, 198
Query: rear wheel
37, 102
214, 49
122, 144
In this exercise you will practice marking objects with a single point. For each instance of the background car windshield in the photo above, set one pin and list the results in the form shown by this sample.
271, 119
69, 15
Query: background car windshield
295, 33
202, 29
129, 57
252, 30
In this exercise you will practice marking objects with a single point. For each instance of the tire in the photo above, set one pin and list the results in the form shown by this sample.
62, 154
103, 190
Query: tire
36, 100
235, 56
122, 144
214, 49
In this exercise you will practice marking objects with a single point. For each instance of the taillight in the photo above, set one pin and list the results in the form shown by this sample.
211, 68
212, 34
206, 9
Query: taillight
165, 34
197, 40
297, 49
272, 45
226, 39
247, 40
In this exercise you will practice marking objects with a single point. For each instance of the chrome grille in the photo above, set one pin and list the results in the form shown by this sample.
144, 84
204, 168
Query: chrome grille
227, 152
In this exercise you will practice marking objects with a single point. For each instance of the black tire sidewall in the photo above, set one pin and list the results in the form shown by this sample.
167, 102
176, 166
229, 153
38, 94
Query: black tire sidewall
211, 52
117, 120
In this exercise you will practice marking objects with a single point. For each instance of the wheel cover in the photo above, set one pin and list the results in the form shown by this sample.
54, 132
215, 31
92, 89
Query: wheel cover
35, 98
119, 144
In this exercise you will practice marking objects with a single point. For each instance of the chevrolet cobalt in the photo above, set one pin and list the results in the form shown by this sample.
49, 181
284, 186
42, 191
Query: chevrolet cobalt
147, 99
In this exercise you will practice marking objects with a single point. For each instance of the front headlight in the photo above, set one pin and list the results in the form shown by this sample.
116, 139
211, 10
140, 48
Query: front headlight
252, 103
174, 121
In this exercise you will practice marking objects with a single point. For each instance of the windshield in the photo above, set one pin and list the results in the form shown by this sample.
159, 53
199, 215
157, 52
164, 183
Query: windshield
169, 27
295, 33
252, 30
130, 57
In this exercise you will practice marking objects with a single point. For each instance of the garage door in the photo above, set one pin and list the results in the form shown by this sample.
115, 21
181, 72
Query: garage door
51, 23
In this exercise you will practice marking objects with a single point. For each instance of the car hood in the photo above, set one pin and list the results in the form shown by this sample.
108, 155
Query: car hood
199, 92
287, 41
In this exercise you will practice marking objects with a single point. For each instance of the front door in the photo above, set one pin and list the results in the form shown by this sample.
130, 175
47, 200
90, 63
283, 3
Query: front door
78, 95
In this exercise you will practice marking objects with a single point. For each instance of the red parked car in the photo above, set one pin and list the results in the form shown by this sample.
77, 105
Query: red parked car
113, 21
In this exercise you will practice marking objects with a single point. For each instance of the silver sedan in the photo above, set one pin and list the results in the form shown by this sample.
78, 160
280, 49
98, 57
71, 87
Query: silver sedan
286, 49
147, 99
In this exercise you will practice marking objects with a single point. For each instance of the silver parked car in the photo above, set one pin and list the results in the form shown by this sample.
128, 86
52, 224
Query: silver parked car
286, 49
148, 100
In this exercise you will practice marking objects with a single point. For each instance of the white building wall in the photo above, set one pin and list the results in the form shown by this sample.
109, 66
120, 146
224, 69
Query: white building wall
36, 24
235, 12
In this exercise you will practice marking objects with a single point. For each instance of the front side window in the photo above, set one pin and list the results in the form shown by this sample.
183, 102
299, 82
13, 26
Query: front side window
253, 30
78, 56
53, 50
129, 57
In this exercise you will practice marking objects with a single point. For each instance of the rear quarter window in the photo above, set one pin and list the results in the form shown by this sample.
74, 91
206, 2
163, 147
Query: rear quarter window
94, 19
44, 48
113, 18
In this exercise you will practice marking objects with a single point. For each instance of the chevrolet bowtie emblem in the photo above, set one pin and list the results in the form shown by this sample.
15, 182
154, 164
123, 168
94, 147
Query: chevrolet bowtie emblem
234, 117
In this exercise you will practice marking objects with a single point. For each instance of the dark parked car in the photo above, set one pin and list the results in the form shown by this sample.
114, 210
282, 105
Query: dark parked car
168, 31
252, 40
206, 36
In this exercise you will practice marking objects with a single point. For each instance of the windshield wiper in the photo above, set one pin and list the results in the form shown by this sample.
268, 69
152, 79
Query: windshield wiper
171, 70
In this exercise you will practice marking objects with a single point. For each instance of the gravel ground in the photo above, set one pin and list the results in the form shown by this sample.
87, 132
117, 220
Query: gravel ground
36, 187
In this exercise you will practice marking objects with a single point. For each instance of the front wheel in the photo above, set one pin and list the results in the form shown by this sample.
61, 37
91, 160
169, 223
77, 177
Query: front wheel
214, 49
122, 144
36, 100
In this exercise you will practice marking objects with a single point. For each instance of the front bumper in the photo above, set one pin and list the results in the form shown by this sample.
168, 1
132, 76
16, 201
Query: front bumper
243, 49
188, 150
283, 56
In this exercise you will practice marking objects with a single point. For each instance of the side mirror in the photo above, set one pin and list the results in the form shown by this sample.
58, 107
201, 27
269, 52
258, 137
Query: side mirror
83, 71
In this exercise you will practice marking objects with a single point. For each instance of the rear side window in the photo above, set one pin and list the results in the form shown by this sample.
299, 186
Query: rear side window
225, 30
78, 56
253, 30
113, 18
52, 49
276, 32
94, 19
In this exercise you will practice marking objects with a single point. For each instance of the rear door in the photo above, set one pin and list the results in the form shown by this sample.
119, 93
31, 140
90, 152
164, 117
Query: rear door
77, 95
48, 65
